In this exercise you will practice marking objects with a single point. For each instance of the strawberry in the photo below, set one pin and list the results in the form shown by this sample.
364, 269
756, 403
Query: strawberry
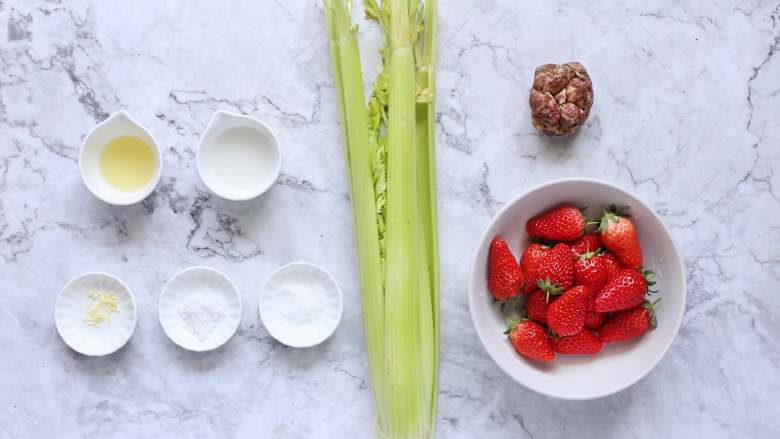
592, 272
590, 242
619, 236
531, 341
584, 342
593, 319
566, 316
554, 265
626, 289
629, 323
533, 257
613, 265
565, 223
504, 275
536, 307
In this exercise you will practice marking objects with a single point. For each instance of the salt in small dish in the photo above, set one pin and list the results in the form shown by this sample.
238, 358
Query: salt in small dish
238, 157
117, 125
71, 311
200, 309
301, 305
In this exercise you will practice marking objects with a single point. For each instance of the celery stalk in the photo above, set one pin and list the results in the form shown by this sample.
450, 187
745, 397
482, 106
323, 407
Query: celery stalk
406, 412
347, 71
425, 120
390, 156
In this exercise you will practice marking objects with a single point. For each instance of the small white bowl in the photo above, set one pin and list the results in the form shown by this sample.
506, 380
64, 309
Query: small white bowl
188, 292
71, 310
118, 124
238, 157
300, 279
619, 365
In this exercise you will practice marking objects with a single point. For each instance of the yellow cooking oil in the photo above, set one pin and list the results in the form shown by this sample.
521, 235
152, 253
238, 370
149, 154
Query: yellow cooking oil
127, 163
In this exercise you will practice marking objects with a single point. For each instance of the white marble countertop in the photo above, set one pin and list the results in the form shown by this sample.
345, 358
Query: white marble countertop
686, 116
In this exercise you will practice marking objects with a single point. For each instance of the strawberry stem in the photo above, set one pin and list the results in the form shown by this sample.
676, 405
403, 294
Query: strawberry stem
549, 288
587, 255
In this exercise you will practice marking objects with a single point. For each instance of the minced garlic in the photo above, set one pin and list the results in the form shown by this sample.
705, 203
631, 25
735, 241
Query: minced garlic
104, 303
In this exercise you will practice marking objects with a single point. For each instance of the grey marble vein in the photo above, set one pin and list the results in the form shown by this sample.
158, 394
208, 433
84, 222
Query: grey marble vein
686, 111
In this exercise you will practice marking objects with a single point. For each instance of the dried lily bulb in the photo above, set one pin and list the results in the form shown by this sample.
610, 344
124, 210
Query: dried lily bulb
561, 98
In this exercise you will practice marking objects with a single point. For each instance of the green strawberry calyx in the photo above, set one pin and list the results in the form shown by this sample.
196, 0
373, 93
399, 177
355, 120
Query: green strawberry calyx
508, 304
612, 214
545, 243
587, 225
618, 210
650, 277
607, 218
650, 307
588, 254
511, 323
549, 288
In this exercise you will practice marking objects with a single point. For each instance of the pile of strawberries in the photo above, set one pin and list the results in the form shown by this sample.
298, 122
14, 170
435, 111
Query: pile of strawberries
573, 290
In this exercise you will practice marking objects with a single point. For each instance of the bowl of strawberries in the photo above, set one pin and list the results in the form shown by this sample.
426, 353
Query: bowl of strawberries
577, 289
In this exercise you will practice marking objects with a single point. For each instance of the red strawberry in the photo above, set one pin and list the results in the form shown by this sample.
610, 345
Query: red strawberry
566, 316
541, 263
588, 243
592, 272
530, 261
629, 323
593, 319
626, 289
584, 342
504, 275
565, 223
613, 265
619, 236
531, 341
536, 307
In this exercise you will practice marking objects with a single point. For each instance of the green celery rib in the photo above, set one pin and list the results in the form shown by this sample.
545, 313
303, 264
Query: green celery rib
425, 118
426, 183
349, 88
390, 156
407, 414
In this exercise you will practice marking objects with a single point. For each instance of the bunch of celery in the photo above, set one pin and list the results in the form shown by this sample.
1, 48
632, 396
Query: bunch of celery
390, 158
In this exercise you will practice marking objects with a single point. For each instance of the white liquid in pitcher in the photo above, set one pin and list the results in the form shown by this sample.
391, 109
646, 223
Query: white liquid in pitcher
239, 161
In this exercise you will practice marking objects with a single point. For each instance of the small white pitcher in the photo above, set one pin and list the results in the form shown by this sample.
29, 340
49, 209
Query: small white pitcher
118, 124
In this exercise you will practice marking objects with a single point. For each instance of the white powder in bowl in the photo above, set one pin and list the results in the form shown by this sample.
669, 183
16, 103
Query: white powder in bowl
201, 313
301, 305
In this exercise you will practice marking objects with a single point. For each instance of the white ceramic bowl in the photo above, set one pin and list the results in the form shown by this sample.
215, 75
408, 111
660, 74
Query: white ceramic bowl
619, 365
118, 124
200, 309
301, 327
70, 312
238, 156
